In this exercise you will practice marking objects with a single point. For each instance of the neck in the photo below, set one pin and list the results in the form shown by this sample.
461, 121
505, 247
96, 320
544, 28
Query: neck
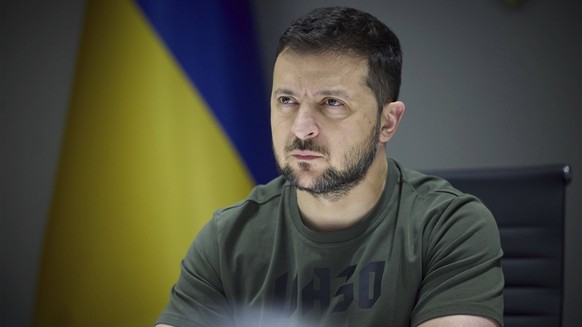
331, 213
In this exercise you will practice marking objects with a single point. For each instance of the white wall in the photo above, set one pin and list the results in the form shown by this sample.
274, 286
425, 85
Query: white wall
485, 85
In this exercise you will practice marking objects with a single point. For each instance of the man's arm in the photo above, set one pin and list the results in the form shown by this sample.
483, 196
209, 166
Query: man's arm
198, 297
463, 283
460, 321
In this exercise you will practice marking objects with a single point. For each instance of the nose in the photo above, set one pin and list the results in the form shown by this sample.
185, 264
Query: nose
305, 126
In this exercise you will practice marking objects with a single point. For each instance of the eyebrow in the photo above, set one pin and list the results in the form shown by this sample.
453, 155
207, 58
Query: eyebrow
283, 91
332, 93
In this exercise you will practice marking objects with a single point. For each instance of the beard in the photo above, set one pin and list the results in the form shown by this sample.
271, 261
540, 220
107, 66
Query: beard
334, 183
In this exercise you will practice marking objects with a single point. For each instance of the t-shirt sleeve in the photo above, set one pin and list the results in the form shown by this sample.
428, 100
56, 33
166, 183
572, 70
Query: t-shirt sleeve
198, 299
462, 264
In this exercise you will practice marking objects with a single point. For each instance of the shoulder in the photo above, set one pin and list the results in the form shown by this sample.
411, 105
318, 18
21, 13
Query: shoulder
427, 186
261, 197
436, 204
434, 192
262, 204
244, 220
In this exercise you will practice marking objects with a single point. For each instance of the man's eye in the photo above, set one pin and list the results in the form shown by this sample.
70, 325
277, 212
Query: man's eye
286, 100
332, 102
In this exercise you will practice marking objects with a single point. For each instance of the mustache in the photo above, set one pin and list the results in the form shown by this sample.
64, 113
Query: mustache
306, 145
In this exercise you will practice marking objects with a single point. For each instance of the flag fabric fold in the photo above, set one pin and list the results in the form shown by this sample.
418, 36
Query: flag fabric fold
149, 152
220, 56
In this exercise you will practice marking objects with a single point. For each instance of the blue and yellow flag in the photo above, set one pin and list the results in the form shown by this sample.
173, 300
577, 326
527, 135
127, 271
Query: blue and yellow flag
168, 121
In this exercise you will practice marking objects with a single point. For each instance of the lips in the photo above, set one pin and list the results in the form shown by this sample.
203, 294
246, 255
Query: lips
305, 155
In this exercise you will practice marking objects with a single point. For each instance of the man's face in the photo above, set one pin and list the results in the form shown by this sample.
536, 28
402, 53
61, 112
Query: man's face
324, 121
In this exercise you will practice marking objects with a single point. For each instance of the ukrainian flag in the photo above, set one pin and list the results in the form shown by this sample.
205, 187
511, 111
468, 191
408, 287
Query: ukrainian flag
168, 121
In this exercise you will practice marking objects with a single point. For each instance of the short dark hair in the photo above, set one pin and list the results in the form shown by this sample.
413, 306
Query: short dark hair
341, 29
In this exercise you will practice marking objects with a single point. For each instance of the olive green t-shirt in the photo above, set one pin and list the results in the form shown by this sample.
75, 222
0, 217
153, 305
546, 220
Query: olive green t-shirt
426, 250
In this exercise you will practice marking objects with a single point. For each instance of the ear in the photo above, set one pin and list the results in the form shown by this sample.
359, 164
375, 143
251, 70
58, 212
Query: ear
391, 115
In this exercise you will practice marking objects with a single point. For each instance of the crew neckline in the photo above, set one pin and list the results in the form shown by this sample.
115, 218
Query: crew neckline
361, 228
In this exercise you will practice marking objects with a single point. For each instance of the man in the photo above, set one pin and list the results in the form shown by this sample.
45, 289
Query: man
346, 236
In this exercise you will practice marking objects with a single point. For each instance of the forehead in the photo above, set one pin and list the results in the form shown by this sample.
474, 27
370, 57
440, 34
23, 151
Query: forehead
320, 69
